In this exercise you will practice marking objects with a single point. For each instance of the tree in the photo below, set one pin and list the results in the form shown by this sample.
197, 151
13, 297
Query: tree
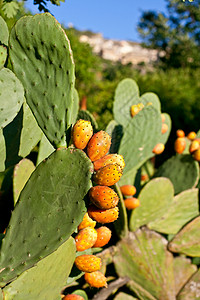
175, 34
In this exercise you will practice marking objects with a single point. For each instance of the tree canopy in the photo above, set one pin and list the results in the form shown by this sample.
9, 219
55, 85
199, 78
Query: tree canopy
176, 33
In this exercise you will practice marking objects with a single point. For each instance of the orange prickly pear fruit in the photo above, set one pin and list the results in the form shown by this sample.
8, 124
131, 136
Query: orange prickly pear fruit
196, 154
163, 118
179, 145
128, 190
103, 197
72, 297
109, 159
98, 145
87, 222
159, 148
194, 146
191, 135
103, 236
96, 279
131, 203
164, 128
180, 133
108, 175
136, 108
88, 263
144, 177
81, 133
103, 216
86, 238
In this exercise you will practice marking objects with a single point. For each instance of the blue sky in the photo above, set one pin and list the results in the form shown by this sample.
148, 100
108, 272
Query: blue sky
114, 19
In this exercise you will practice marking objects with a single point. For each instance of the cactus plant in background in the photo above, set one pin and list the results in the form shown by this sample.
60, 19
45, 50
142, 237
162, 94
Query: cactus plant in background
4, 34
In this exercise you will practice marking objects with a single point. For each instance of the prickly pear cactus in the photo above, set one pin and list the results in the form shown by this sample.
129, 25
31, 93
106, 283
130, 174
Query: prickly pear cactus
182, 170
55, 190
42, 59
10, 89
49, 276
3, 42
45, 149
191, 290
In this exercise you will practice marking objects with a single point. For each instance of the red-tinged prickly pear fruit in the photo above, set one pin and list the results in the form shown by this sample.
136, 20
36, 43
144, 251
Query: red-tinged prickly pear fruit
179, 145
98, 145
191, 135
144, 177
103, 236
86, 238
109, 159
103, 216
194, 146
88, 263
96, 279
196, 155
103, 197
136, 108
81, 133
128, 190
87, 222
72, 297
163, 118
164, 128
180, 133
131, 203
159, 148
108, 175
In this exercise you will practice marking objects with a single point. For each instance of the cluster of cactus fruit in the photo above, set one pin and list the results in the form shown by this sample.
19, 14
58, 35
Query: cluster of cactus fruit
55, 209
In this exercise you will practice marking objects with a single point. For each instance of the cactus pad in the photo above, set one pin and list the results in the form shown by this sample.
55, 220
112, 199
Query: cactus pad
46, 279
144, 258
42, 59
2, 151
4, 34
45, 149
191, 290
11, 96
187, 241
55, 190
182, 170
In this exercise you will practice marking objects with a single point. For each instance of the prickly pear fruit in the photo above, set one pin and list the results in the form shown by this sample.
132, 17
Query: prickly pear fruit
108, 175
191, 135
164, 128
98, 145
196, 154
144, 177
88, 263
85, 239
103, 197
103, 236
96, 279
194, 146
87, 222
163, 118
180, 133
131, 203
136, 108
103, 216
159, 148
81, 133
72, 297
109, 159
179, 145
128, 190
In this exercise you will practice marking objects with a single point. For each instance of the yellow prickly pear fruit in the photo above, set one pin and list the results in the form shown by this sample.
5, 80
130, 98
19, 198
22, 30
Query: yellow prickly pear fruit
85, 239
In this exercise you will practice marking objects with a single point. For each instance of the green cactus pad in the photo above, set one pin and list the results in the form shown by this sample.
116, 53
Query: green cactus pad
151, 99
22, 172
124, 296
46, 279
182, 170
2, 151
86, 115
140, 137
184, 208
3, 56
144, 258
45, 149
4, 33
11, 96
42, 59
49, 209
1, 294
191, 290
187, 241
155, 198
31, 133
183, 270
115, 130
